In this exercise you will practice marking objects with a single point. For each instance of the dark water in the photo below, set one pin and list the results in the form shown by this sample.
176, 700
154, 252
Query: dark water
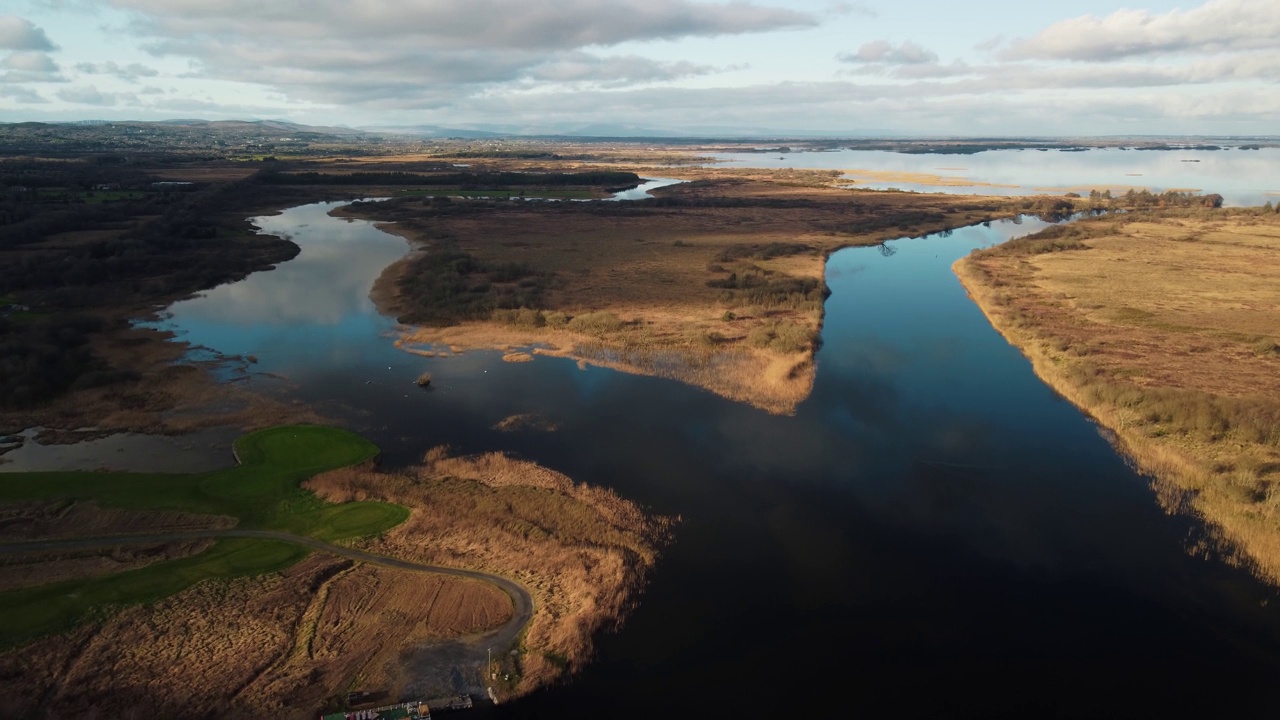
933, 534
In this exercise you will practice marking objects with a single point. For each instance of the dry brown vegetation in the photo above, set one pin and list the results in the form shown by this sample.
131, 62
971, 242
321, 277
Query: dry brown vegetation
276, 645
52, 520
1165, 326
862, 175
717, 283
582, 552
526, 421
41, 568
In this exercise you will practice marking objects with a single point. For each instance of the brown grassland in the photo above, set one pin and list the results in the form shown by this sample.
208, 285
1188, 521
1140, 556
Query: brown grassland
276, 645
53, 520
717, 283
290, 642
582, 552
1165, 327
66, 519
31, 569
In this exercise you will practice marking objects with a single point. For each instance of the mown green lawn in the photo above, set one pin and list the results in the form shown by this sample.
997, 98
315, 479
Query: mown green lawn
262, 492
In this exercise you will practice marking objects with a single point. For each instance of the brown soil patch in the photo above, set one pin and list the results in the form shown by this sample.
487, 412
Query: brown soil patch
276, 645
222, 174
517, 357
582, 552
1165, 326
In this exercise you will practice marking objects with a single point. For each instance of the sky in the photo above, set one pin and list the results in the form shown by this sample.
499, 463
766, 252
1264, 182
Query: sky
925, 67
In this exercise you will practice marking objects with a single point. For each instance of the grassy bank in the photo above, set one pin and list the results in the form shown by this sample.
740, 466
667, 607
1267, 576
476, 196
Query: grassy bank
262, 492
1164, 325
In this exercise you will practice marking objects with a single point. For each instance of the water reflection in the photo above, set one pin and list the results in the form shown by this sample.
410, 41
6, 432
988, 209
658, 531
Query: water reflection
641, 191
1242, 177
932, 517
195, 452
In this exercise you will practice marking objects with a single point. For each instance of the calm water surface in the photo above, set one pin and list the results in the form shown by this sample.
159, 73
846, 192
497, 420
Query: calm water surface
933, 534
1242, 177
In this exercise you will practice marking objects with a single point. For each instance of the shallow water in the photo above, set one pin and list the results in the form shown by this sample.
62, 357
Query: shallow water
1242, 177
933, 533
194, 452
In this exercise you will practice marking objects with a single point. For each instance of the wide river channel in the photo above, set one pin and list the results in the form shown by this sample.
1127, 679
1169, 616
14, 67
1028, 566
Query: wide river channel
933, 534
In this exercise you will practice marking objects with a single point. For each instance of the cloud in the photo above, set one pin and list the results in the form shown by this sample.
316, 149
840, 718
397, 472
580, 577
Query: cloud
615, 71
21, 94
1219, 25
90, 95
29, 66
839, 8
19, 34
426, 53
883, 51
565, 24
130, 73
1008, 98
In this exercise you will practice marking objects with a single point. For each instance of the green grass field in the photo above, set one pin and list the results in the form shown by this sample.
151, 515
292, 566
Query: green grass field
262, 492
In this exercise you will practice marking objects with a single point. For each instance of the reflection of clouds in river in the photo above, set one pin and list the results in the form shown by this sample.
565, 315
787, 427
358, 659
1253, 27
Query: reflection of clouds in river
327, 282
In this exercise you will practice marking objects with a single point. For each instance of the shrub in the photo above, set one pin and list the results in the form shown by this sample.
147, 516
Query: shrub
523, 317
597, 323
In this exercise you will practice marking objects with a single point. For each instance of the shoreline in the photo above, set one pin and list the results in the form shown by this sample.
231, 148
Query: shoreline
675, 323
1189, 475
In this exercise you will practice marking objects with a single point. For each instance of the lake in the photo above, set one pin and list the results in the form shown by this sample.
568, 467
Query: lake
933, 532
1242, 177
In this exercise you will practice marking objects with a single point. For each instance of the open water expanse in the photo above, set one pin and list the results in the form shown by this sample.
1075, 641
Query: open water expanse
1242, 177
933, 534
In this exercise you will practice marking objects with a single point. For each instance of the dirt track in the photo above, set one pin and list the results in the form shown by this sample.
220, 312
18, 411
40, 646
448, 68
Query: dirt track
465, 658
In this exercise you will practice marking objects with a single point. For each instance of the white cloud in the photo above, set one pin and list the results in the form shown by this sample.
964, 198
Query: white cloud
19, 34
427, 53
29, 66
565, 24
1215, 26
883, 51
614, 71
22, 94
129, 73
91, 95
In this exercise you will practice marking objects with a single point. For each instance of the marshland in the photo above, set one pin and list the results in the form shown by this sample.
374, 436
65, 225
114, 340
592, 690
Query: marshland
798, 433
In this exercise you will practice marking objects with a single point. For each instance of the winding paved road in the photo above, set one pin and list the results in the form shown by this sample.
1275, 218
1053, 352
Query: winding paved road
501, 638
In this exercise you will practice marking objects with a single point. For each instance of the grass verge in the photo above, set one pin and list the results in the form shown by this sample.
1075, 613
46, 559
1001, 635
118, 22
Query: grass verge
263, 491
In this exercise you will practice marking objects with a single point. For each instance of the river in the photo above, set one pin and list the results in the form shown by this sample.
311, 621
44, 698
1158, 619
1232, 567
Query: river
934, 533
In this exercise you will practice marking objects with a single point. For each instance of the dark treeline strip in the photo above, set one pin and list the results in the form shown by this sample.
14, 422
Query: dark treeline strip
71, 292
465, 180
447, 286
